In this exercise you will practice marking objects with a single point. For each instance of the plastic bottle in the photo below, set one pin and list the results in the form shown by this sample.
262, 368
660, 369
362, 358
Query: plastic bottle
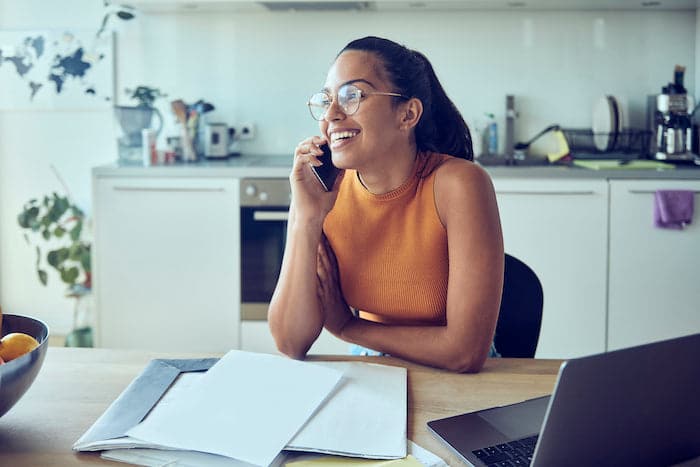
492, 135
148, 147
477, 140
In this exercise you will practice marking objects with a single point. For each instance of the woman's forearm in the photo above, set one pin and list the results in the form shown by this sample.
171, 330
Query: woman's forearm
435, 346
295, 316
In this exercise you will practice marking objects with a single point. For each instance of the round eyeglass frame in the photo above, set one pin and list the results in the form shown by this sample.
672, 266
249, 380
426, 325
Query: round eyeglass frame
347, 106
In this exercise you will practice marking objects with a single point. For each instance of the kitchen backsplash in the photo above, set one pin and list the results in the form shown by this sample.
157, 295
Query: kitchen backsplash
261, 67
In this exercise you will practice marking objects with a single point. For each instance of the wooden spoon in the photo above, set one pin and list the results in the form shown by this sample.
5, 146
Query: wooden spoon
180, 110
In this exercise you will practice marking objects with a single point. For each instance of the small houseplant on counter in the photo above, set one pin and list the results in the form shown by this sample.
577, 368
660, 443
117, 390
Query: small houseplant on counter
56, 220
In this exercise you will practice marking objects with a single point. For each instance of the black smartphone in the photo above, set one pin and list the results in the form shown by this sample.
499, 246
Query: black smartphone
326, 173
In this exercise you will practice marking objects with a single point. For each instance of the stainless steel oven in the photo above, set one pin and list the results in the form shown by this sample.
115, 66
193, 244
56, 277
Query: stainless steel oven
264, 214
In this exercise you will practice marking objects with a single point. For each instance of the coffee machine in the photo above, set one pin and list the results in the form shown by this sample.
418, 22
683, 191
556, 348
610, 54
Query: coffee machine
673, 135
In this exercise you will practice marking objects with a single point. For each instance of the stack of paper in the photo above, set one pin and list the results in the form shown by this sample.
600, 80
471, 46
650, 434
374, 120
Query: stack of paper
417, 457
250, 407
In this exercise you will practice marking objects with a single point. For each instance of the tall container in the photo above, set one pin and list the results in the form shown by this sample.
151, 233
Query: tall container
491, 135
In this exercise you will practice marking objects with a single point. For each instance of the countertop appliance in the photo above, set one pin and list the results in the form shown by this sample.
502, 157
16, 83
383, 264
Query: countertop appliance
672, 138
264, 214
216, 141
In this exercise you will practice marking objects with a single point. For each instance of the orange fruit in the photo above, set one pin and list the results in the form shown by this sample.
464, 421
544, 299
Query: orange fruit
15, 345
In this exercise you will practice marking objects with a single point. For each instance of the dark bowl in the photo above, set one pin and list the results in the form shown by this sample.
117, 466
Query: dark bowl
17, 375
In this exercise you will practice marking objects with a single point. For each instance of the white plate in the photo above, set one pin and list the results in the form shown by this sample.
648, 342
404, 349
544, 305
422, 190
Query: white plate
605, 123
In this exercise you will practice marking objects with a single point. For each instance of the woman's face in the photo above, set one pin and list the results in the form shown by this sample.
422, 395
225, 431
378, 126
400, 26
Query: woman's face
366, 137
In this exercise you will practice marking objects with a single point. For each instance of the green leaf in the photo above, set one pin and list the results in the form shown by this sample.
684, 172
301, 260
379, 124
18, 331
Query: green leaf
69, 275
56, 257
43, 276
59, 231
57, 209
28, 217
46, 233
75, 251
77, 212
76, 231
85, 259
22, 220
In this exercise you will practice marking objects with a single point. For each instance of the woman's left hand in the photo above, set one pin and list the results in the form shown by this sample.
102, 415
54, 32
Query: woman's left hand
335, 308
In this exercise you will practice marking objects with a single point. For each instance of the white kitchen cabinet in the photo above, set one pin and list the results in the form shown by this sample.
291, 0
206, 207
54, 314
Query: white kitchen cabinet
242, 6
559, 228
654, 273
166, 255
256, 337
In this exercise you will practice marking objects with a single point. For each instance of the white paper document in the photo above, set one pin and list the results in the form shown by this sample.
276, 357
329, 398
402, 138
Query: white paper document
248, 406
170, 458
366, 417
160, 458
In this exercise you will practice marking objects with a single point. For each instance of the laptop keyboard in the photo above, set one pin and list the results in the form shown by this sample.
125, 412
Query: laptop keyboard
511, 454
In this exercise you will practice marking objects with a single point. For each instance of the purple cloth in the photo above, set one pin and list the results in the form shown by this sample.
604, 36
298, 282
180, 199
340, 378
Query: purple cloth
673, 209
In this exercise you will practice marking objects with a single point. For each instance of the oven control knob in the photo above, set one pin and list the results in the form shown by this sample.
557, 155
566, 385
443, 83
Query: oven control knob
250, 190
263, 196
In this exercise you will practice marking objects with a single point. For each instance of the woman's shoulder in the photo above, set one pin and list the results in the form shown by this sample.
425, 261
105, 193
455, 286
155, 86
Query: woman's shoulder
450, 167
458, 177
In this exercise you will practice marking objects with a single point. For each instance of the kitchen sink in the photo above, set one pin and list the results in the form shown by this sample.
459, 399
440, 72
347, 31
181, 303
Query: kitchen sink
495, 161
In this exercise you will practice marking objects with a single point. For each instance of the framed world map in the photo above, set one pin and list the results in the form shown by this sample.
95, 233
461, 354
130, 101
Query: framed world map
56, 69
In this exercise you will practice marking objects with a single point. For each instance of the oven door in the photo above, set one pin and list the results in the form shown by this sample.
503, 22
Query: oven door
263, 235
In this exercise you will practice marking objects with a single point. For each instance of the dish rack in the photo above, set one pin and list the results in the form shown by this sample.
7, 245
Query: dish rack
627, 141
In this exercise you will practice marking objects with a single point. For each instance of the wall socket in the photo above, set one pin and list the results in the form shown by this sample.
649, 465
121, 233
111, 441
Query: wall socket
245, 131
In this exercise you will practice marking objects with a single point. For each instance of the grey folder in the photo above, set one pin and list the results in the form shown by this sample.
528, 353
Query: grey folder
636, 406
136, 401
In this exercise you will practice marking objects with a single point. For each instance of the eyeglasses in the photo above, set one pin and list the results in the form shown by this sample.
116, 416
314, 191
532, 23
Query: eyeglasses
349, 97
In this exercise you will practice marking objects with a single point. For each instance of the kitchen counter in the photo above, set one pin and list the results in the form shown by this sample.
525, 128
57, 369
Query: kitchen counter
239, 167
279, 166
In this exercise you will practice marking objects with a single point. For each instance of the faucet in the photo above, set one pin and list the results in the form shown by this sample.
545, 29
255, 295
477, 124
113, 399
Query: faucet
511, 115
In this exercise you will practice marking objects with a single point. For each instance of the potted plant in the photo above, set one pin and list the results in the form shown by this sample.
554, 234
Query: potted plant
56, 220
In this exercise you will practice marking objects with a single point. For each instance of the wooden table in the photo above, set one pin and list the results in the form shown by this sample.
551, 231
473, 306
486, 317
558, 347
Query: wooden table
75, 386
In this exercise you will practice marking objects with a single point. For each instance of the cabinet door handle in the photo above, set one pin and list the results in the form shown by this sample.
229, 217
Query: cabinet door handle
558, 193
651, 192
271, 215
169, 189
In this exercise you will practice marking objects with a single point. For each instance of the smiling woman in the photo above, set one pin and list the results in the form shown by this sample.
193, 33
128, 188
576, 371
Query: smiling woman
404, 254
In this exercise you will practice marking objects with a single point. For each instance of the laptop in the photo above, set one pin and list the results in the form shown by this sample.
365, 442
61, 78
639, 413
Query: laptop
635, 406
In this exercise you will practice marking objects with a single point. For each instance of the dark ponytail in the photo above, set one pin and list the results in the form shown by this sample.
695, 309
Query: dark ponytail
441, 127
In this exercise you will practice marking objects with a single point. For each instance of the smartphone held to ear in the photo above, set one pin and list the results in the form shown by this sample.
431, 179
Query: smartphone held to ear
326, 173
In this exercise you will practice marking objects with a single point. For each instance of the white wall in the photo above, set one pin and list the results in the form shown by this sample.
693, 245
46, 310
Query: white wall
30, 141
261, 67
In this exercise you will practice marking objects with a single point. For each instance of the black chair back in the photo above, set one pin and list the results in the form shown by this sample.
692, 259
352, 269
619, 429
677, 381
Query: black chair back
520, 316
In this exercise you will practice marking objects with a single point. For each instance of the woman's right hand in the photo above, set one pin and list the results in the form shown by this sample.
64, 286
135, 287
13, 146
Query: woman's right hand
311, 201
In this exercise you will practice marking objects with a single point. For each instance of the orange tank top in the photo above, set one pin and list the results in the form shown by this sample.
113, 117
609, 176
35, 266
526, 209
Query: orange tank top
392, 248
